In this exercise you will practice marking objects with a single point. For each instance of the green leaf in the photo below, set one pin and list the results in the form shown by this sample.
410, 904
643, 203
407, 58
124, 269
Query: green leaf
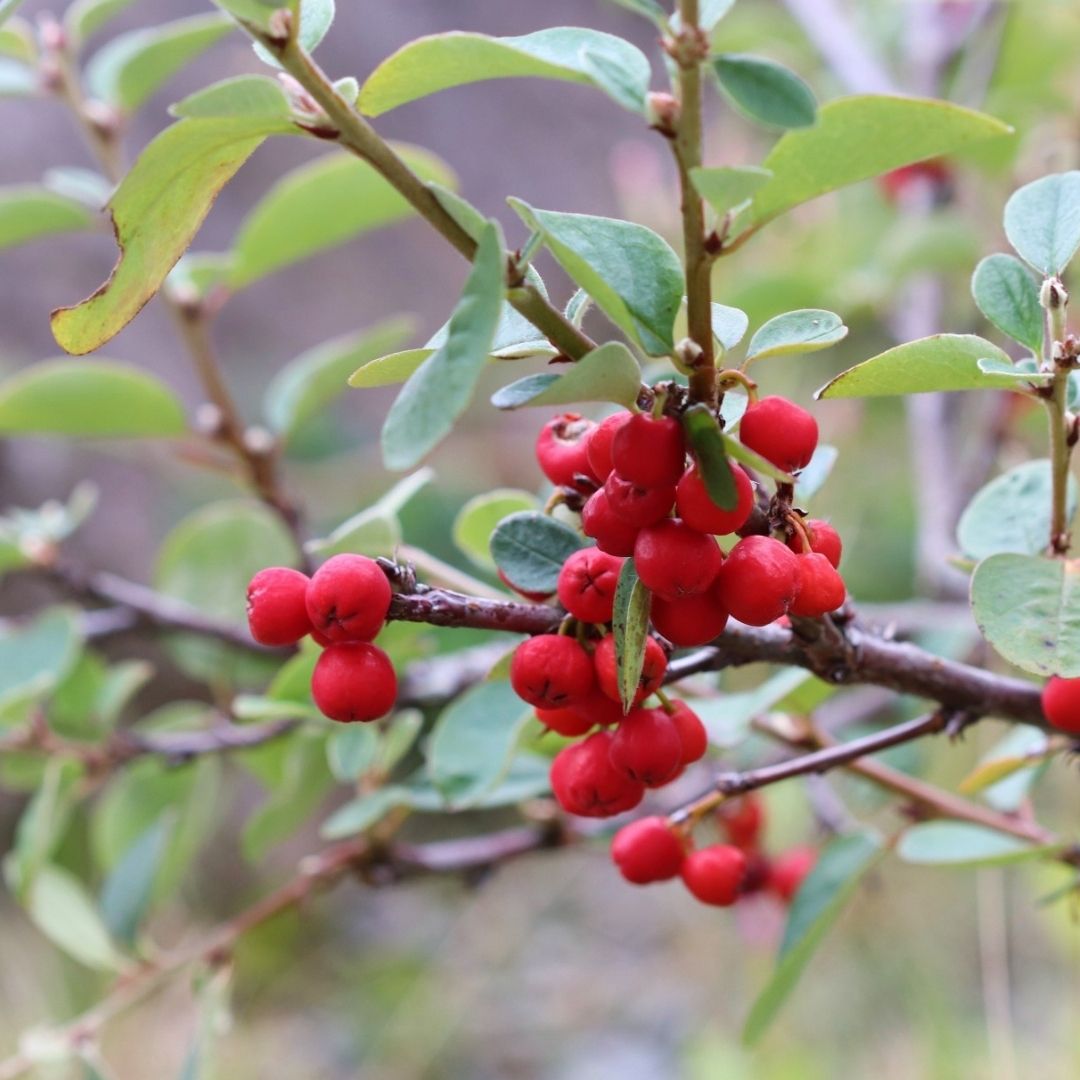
1006, 773
17, 41
129, 888
473, 742
608, 373
435, 63
1007, 295
856, 138
842, 865
86, 17
63, 911
808, 330
1012, 513
940, 362
480, 516
1028, 608
43, 823
35, 658
243, 95
736, 450
1042, 221
28, 212
320, 206
765, 91
132, 66
399, 738
730, 188
440, 390
316, 18
729, 325
530, 549
362, 813
958, 843
351, 751
705, 439
630, 625
255, 13
311, 382
632, 274
89, 399
813, 477
156, 211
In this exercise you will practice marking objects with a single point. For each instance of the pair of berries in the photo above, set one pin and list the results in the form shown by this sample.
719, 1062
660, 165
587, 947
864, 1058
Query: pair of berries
343, 606
1061, 704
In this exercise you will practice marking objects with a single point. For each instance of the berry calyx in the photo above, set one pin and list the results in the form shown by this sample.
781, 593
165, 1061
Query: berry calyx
607, 669
611, 533
759, 580
598, 447
586, 783
647, 850
690, 620
587, 584
561, 452
781, 432
675, 561
353, 681
646, 746
1061, 704
787, 872
714, 874
697, 509
638, 506
567, 722
276, 606
743, 821
348, 598
649, 452
821, 588
692, 734
551, 671
824, 540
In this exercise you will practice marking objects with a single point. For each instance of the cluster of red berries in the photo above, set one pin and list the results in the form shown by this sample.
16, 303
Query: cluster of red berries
343, 606
650, 850
1061, 704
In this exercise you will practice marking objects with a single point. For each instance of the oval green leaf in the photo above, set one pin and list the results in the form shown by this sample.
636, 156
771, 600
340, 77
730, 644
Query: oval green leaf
729, 325
765, 91
28, 212
1007, 295
1042, 221
707, 443
609, 373
808, 330
63, 911
530, 549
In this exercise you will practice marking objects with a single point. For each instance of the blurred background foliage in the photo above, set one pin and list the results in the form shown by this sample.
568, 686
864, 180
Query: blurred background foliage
550, 967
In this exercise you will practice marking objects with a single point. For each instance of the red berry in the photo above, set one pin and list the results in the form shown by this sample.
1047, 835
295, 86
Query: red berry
276, 609
611, 533
821, 588
714, 874
585, 782
824, 540
758, 868
649, 452
1061, 704
568, 722
598, 447
353, 681
675, 561
647, 747
699, 511
789, 871
781, 432
743, 820
934, 172
348, 598
690, 620
535, 597
638, 506
759, 580
692, 733
652, 670
560, 450
551, 671
587, 584
647, 850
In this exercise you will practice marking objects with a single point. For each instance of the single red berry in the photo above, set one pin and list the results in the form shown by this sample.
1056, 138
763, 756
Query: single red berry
743, 821
821, 588
611, 533
697, 509
934, 172
824, 540
714, 874
276, 609
647, 850
598, 448
353, 680
1061, 704
781, 432
348, 598
561, 452
535, 597
587, 584
789, 871
647, 747
551, 671
585, 782
567, 722
607, 669
690, 620
599, 709
759, 580
675, 561
692, 733
651, 453
638, 506
758, 869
